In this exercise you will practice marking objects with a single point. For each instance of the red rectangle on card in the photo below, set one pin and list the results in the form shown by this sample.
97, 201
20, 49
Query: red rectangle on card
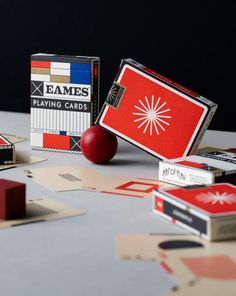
40, 64
56, 141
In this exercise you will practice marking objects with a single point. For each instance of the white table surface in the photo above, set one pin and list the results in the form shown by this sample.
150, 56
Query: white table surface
76, 256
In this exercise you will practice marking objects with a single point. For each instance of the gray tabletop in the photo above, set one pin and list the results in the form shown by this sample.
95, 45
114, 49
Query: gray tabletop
76, 256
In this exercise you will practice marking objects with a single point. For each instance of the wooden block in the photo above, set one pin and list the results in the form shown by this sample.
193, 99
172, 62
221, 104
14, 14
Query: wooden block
12, 199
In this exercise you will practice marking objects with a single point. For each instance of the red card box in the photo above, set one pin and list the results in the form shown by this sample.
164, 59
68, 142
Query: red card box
7, 151
206, 210
154, 113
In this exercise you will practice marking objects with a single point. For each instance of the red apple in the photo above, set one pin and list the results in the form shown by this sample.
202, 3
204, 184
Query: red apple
98, 145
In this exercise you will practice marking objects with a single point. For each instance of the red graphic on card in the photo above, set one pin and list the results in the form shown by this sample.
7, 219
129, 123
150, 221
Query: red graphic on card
143, 187
220, 267
214, 199
159, 204
153, 116
192, 164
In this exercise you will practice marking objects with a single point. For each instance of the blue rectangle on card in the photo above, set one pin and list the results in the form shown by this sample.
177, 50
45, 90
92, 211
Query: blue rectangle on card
83, 67
62, 133
80, 77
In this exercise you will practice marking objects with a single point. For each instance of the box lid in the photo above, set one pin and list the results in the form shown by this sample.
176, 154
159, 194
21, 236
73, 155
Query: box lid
67, 62
63, 58
213, 200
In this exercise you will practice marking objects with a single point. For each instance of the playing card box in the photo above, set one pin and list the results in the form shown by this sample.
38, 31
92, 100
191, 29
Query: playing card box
64, 100
215, 166
7, 151
154, 113
206, 210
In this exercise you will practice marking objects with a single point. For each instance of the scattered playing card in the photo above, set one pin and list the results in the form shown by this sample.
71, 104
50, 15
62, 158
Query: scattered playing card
193, 262
40, 210
65, 178
21, 160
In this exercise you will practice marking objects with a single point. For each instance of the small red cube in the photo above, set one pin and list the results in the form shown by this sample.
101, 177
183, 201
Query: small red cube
12, 199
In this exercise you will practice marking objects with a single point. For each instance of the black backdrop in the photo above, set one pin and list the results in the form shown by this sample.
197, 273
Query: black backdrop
190, 42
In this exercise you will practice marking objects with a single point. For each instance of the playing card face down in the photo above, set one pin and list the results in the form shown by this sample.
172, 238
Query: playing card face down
154, 115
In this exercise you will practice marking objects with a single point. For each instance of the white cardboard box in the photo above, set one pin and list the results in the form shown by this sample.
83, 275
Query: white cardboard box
206, 168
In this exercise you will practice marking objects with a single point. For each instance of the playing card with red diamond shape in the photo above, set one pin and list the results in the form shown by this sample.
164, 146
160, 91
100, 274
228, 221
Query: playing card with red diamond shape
208, 210
154, 113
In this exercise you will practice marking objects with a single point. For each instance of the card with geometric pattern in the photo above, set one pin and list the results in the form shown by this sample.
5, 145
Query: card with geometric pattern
64, 100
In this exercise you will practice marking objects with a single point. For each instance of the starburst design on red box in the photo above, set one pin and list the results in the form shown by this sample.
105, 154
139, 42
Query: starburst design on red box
153, 115
217, 197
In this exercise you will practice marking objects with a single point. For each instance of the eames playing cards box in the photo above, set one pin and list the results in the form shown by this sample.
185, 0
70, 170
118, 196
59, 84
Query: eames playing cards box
207, 210
155, 113
64, 100
207, 167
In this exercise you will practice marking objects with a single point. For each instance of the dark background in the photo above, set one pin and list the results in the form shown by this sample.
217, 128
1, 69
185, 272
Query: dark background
190, 42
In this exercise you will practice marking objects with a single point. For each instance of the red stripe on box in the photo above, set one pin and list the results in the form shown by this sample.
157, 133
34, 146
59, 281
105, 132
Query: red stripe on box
40, 64
2, 142
191, 164
56, 141
171, 82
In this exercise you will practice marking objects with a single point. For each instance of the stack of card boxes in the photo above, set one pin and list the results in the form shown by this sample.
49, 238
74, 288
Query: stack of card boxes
154, 113
206, 210
7, 151
64, 100
218, 165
